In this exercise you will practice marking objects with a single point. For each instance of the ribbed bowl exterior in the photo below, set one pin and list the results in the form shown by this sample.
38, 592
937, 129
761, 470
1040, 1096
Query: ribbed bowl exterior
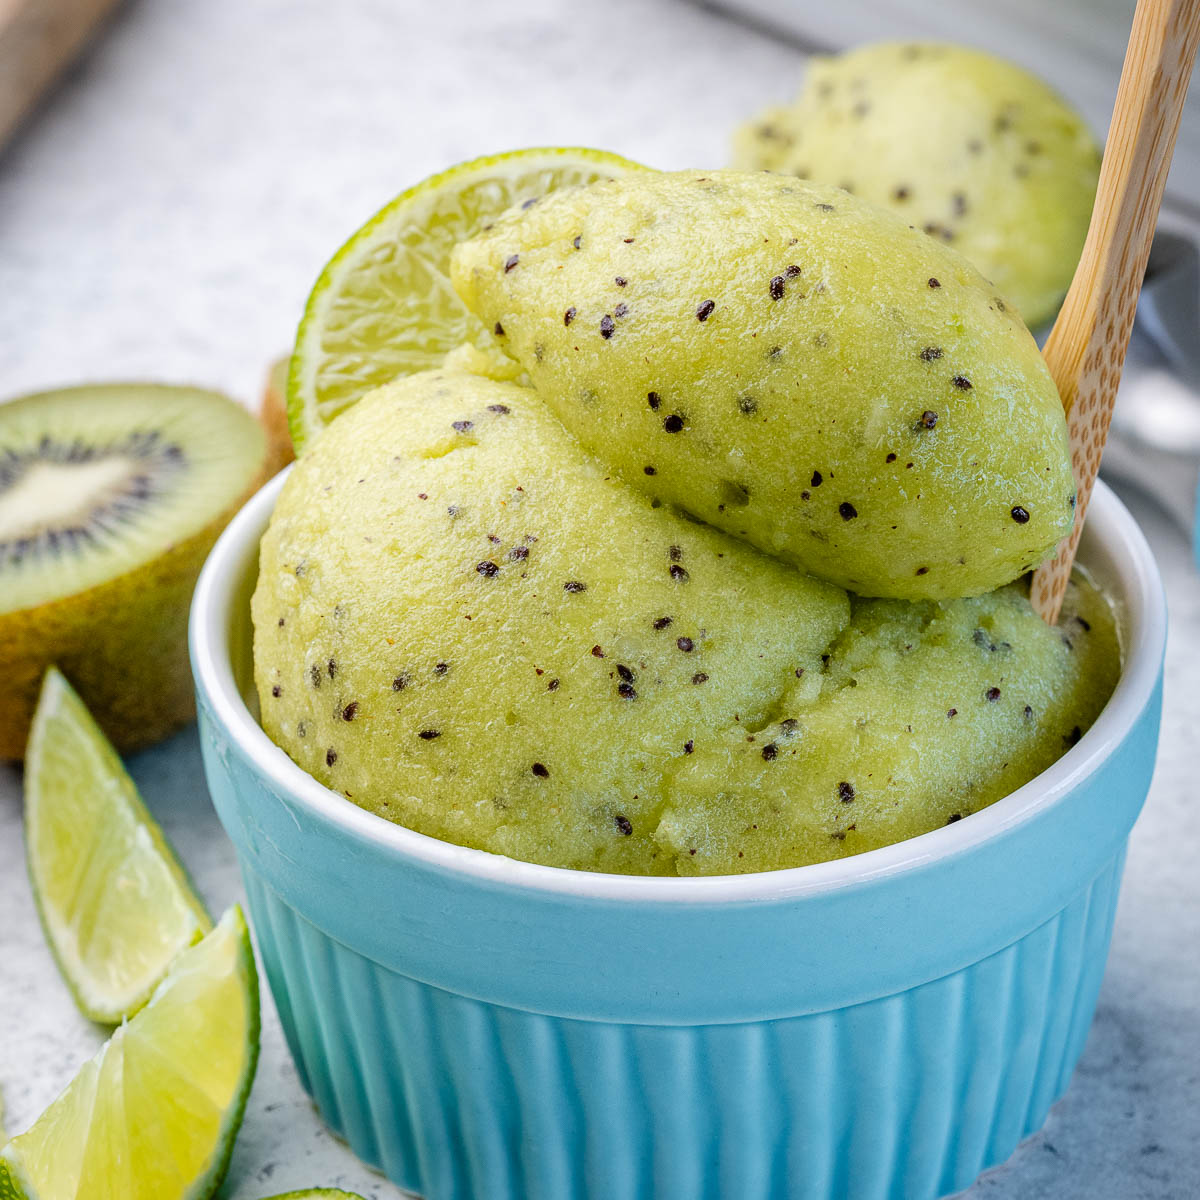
905, 1097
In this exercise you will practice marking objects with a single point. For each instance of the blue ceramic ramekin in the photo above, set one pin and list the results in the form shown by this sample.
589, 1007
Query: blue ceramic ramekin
884, 1026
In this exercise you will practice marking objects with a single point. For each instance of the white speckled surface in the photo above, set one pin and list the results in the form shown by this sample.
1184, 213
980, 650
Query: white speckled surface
164, 216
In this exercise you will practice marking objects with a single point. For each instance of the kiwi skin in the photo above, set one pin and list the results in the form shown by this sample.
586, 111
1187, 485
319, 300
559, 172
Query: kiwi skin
273, 415
122, 644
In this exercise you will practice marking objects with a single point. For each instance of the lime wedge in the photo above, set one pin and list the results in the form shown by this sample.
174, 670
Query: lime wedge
384, 305
154, 1115
313, 1193
115, 904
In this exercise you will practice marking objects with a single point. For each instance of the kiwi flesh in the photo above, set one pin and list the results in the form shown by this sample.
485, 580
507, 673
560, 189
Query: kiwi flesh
110, 498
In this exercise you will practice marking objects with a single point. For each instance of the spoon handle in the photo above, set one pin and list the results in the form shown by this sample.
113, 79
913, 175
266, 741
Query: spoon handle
1086, 348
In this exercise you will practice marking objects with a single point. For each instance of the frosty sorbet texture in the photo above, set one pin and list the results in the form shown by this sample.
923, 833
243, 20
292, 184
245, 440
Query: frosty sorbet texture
465, 623
966, 146
791, 365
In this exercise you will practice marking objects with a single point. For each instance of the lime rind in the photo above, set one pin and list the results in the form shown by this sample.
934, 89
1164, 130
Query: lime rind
62, 723
207, 1186
88, 1128
313, 1193
349, 342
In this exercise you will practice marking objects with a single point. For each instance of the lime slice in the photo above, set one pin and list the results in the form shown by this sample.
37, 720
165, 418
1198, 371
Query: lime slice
153, 1116
384, 305
115, 904
313, 1193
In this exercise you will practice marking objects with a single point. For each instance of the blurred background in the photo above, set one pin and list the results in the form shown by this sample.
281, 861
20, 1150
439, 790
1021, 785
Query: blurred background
169, 198
164, 210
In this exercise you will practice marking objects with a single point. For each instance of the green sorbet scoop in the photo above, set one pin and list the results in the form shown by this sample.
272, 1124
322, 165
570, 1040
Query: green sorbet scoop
962, 144
789, 364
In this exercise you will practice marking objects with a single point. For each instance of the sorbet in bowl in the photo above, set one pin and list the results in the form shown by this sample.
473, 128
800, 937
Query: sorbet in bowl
729, 585
464, 624
882, 1025
650, 777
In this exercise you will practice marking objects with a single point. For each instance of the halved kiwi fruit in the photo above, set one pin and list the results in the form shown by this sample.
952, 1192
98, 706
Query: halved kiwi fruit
110, 498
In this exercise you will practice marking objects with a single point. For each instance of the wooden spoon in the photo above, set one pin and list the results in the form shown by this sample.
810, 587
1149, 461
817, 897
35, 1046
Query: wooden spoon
1086, 348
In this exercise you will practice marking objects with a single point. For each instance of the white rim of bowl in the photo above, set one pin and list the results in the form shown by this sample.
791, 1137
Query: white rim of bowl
1142, 595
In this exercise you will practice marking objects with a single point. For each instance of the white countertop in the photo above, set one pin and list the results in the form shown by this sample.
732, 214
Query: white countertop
163, 218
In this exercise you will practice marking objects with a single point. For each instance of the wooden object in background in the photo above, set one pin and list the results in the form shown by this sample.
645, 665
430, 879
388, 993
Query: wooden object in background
1086, 348
38, 40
